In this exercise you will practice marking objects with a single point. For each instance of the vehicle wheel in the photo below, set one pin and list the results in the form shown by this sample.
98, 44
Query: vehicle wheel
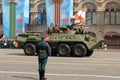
89, 53
64, 50
79, 50
29, 49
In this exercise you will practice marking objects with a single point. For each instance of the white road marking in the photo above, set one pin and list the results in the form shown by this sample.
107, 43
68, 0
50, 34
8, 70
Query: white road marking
51, 74
71, 68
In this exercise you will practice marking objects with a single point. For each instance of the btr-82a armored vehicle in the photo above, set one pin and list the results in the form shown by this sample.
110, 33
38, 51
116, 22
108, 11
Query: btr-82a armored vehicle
64, 41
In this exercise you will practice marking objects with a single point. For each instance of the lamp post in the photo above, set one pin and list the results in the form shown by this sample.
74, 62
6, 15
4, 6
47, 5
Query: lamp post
12, 17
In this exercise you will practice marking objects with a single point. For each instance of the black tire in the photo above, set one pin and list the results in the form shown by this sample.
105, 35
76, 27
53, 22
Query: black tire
64, 50
79, 50
29, 49
89, 53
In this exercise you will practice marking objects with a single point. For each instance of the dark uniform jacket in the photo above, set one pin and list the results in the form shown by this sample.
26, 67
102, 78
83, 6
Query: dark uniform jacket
43, 49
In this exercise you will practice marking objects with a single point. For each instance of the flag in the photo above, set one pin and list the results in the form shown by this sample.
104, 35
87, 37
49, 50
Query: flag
80, 16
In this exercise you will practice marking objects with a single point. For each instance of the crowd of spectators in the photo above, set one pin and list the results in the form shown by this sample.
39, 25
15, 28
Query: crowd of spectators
7, 43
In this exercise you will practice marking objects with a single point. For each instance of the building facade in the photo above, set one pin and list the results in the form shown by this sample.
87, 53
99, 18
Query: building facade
102, 18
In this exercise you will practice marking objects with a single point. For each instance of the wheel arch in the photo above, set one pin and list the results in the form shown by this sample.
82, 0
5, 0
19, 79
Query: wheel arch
35, 43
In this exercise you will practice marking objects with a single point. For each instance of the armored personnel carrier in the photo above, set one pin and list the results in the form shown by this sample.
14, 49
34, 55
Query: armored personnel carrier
65, 41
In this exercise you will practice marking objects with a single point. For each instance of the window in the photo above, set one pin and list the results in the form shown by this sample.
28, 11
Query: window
91, 17
112, 14
91, 14
107, 18
112, 17
88, 17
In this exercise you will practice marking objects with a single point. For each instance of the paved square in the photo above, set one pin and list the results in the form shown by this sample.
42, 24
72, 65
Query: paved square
102, 65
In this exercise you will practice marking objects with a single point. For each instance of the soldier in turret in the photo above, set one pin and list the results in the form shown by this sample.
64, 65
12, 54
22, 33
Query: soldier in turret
56, 28
50, 30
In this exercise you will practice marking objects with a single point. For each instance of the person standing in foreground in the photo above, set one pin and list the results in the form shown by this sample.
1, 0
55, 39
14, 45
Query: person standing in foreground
43, 50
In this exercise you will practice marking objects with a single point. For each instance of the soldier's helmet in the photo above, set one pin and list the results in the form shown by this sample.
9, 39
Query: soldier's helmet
42, 35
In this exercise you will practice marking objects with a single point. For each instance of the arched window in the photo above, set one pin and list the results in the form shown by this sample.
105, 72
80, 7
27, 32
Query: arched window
112, 14
91, 14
